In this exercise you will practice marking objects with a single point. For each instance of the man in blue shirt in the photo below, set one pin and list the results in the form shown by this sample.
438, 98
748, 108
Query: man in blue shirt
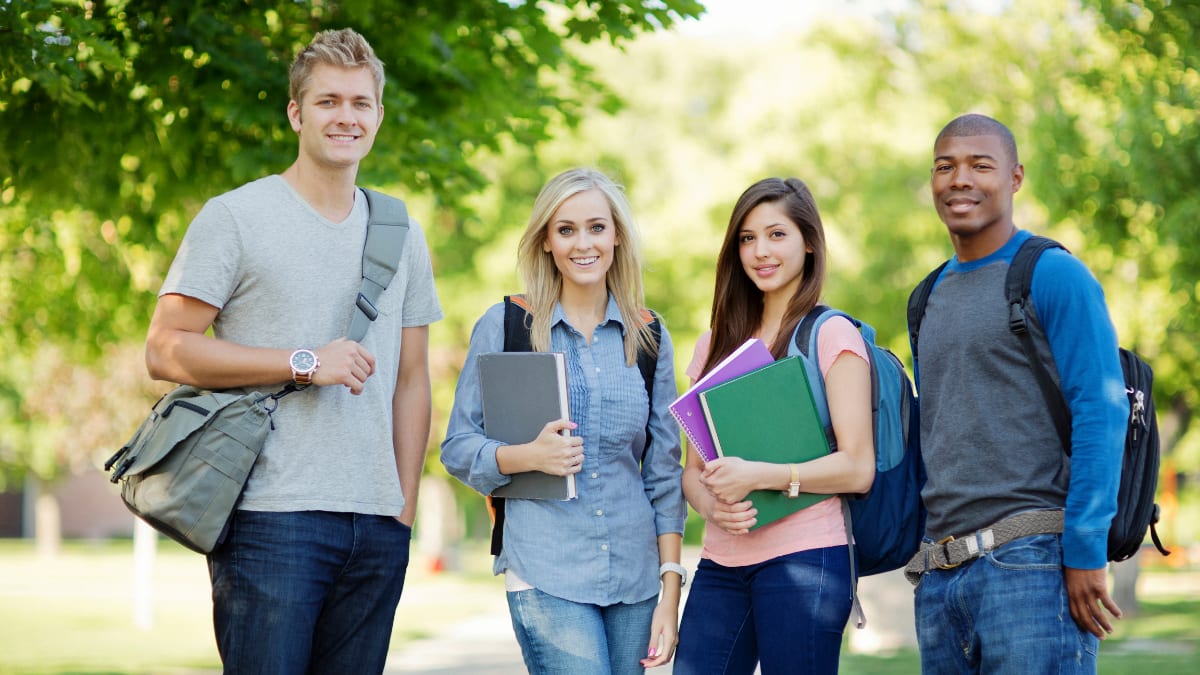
1028, 521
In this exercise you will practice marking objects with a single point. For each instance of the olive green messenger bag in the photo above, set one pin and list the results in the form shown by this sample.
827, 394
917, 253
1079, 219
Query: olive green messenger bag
185, 467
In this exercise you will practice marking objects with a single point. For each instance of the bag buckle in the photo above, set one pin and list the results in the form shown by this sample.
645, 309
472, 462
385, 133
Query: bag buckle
947, 565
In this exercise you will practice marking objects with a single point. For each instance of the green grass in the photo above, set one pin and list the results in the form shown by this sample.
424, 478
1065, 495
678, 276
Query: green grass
73, 614
1163, 639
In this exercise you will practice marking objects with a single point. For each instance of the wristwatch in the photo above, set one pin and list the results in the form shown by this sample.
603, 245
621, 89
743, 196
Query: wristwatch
304, 363
793, 490
676, 568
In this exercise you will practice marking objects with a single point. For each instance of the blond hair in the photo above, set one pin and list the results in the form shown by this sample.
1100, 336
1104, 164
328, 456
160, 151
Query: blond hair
543, 280
343, 48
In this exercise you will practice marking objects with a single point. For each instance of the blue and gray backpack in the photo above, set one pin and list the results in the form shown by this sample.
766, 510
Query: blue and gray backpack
887, 522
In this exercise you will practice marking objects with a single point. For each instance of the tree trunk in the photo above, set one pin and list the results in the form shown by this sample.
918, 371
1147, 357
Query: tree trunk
47, 518
439, 525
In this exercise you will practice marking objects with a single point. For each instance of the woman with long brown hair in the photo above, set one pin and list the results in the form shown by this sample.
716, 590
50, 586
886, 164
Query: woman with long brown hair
777, 596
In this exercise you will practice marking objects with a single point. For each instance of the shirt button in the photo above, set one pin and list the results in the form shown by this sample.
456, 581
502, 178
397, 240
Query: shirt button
603, 547
595, 474
599, 512
597, 369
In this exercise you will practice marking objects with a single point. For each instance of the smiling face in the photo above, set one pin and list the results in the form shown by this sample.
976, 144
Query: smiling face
581, 237
338, 116
973, 181
772, 250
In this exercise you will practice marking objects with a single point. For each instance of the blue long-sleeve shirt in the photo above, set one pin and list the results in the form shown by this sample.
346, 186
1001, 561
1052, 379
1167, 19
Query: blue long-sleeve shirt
989, 443
601, 548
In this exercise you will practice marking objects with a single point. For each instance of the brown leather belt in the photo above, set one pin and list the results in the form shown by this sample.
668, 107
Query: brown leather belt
954, 551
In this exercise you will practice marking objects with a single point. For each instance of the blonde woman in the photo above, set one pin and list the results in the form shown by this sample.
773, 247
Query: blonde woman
583, 576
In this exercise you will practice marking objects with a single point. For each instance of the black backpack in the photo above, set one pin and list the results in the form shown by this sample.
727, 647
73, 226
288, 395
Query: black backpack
517, 318
1136, 510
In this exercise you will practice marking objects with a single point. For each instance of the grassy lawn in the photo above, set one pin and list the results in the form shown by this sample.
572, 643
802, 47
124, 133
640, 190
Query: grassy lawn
1163, 639
74, 615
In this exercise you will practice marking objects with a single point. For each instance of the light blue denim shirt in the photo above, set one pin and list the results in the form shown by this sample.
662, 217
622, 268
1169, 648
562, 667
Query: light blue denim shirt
602, 547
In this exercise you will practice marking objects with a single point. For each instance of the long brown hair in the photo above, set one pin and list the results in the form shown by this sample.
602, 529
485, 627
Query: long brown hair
737, 302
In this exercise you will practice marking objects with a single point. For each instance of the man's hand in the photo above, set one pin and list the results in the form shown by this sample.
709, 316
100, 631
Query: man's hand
1087, 591
344, 362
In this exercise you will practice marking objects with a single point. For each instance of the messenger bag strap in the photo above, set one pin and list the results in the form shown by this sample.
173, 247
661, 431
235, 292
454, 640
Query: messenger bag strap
387, 228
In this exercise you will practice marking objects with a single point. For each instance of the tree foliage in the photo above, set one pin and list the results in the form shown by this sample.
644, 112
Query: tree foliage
119, 117
487, 99
1126, 139
852, 106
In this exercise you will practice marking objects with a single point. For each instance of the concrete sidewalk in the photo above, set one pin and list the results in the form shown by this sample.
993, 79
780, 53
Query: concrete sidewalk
482, 644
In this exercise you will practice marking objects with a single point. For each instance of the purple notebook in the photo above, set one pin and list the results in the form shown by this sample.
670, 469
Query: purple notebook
753, 354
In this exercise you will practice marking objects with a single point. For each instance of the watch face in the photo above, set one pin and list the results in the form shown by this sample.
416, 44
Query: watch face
303, 361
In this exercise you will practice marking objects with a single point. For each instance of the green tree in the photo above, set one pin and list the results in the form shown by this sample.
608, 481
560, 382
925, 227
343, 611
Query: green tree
119, 117
1126, 153
1103, 97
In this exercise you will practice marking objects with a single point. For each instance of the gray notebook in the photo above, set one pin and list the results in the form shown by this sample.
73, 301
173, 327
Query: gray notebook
521, 392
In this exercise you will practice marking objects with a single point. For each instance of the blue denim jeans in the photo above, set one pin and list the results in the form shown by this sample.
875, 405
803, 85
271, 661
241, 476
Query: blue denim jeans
560, 637
786, 614
307, 592
1003, 613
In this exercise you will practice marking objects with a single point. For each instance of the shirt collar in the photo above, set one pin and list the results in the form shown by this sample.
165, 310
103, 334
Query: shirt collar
611, 313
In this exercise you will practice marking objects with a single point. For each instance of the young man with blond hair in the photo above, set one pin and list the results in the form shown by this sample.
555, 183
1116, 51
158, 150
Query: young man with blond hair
311, 568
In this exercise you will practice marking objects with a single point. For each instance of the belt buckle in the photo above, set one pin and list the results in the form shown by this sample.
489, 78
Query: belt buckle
947, 565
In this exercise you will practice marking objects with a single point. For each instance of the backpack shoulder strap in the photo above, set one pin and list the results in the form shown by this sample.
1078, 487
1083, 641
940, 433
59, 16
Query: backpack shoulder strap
517, 321
805, 339
647, 363
1018, 283
916, 305
387, 228
805, 336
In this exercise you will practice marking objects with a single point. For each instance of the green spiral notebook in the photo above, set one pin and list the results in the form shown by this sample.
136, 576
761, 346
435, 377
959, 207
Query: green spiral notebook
768, 415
